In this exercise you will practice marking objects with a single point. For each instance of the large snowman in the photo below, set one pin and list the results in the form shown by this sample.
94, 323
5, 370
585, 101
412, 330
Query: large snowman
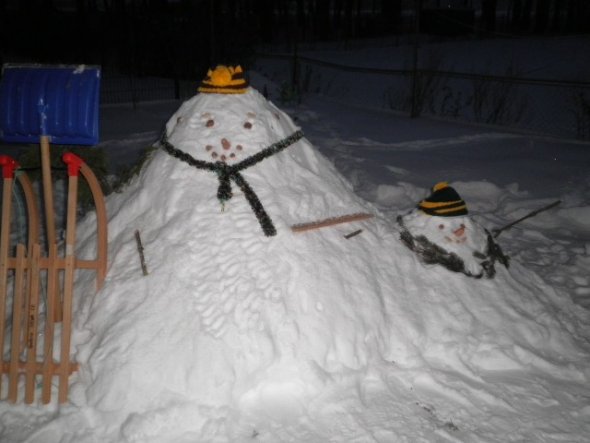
441, 232
238, 310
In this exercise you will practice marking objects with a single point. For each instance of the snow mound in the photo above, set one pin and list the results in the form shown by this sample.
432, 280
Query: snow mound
235, 336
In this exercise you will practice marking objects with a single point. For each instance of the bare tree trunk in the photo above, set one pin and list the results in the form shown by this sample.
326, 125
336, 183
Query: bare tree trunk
542, 16
337, 14
557, 8
583, 16
578, 14
47, 5
322, 19
212, 12
525, 22
516, 14
264, 10
81, 8
488, 15
392, 12
301, 27
359, 18
349, 24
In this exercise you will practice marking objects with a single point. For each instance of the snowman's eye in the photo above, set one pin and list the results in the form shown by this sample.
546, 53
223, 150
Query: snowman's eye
209, 123
248, 125
441, 227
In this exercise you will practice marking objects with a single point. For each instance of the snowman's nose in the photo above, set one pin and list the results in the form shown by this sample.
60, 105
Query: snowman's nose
459, 231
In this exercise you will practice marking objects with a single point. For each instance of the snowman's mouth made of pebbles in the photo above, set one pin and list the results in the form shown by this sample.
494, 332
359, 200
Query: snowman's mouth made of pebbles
225, 149
457, 235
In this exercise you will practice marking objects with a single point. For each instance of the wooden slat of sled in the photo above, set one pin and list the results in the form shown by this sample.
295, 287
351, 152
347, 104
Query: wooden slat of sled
60, 263
32, 210
50, 318
31, 336
55, 368
17, 323
330, 222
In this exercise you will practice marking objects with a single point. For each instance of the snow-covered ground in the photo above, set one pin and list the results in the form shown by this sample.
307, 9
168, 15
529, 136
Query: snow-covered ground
235, 336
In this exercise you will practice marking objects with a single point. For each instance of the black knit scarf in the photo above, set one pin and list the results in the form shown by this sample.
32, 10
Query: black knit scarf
226, 173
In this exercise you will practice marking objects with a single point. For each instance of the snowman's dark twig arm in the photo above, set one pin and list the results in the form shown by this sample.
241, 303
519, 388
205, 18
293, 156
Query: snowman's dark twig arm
498, 231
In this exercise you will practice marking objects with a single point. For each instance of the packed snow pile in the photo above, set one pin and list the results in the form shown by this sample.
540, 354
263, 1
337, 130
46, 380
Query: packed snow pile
244, 330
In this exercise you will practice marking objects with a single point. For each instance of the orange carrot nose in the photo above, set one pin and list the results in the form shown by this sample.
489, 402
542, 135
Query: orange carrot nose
459, 231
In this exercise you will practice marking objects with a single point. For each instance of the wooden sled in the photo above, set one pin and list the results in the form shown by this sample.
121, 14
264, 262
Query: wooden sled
24, 274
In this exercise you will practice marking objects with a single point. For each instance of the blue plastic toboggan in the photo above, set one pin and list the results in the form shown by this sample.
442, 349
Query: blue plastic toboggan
60, 102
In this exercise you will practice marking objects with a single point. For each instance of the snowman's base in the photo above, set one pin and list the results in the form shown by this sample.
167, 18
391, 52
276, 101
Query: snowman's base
431, 253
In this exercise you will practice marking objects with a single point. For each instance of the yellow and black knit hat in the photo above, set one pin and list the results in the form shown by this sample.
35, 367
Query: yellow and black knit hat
444, 202
224, 80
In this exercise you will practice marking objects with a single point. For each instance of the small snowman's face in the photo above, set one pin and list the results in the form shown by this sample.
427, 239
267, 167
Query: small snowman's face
459, 235
442, 230
453, 233
449, 230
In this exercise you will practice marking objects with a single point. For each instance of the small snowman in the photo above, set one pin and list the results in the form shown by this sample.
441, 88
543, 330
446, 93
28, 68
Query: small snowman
440, 231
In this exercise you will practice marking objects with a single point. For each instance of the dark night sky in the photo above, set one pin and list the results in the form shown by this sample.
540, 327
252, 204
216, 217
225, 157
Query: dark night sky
179, 38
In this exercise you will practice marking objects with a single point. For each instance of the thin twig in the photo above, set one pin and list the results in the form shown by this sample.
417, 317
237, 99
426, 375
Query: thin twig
352, 234
140, 250
530, 214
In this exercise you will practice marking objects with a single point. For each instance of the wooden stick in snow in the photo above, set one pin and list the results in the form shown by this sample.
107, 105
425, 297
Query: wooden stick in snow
353, 234
302, 227
140, 250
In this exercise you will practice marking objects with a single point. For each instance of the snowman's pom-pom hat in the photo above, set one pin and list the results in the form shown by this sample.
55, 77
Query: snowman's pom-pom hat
443, 202
224, 80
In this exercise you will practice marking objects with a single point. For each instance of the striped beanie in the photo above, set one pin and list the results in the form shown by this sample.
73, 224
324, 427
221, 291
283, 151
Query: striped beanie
224, 80
443, 202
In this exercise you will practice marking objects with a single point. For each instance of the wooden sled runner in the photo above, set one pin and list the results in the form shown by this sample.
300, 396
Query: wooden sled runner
39, 322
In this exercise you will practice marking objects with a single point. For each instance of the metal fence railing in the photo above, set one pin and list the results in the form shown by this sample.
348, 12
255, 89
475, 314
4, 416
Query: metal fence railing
547, 107
117, 89
542, 106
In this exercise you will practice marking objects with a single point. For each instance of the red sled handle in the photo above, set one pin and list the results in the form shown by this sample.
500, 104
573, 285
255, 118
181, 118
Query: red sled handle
74, 163
8, 166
